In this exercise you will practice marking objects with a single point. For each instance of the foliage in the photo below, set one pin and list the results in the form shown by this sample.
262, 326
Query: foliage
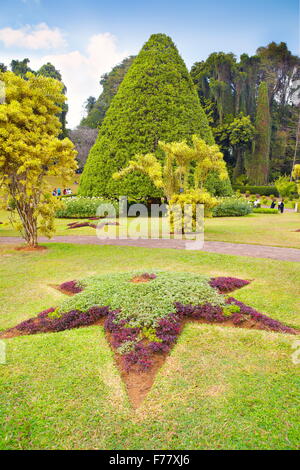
261, 190
296, 172
232, 207
81, 207
217, 186
229, 86
155, 102
296, 176
285, 187
149, 325
192, 197
30, 150
142, 304
227, 284
21, 68
265, 210
258, 163
235, 136
72, 287
96, 109
184, 167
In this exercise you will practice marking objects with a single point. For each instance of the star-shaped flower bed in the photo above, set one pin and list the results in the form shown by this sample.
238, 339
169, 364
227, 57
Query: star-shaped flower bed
143, 315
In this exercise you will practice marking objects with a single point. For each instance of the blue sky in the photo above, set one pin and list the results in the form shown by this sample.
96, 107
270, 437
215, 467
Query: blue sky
84, 39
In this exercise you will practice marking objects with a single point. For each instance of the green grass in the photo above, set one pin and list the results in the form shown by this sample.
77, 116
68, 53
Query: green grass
261, 229
25, 278
221, 388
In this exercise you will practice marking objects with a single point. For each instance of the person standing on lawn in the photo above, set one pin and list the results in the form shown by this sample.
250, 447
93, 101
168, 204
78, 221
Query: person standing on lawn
281, 206
273, 204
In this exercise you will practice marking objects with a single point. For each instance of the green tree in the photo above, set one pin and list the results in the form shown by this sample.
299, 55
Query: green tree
30, 150
20, 67
183, 167
48, 70
110, 82
155, 101
258, 162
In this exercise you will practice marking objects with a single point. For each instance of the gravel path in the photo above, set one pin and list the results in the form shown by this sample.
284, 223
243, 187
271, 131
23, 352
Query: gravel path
238, 249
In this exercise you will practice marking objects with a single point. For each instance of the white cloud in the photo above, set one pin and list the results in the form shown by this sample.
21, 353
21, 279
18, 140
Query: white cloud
81, 72
36, 37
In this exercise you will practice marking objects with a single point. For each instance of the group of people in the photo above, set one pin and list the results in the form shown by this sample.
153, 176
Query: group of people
280, 205
58, 192
273, 204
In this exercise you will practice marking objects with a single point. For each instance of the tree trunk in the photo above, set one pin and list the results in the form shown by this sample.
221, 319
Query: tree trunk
239, 166
29, 223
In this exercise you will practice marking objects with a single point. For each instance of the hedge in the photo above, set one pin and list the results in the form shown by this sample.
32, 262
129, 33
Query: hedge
82, 207
265, 210
261, 190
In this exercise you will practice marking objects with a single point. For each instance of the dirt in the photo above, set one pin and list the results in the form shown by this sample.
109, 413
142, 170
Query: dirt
31, 248
139, 279
63, 291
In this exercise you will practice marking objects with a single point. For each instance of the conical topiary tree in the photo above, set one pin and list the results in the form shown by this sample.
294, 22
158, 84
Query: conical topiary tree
156, 101
258, 164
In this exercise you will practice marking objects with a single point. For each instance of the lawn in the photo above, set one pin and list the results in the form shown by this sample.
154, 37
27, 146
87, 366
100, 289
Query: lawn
219, 388
261, 229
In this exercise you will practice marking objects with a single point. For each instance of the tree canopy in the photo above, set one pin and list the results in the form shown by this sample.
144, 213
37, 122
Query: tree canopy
228, 88
156, 101
30, 149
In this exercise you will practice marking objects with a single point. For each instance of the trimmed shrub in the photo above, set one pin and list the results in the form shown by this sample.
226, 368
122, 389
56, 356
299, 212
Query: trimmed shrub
232, 208
217, 187
261, 190
82, 207
265, 210
156, 101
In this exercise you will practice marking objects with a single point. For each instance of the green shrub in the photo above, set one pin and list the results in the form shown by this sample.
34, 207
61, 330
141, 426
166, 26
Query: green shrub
232, 208
81, 207
285, 187
265, 210
146, 303
261, 190
217, 187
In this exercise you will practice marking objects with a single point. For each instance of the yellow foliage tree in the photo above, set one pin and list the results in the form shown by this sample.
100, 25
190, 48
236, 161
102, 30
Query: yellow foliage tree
30, 150
296, 175
182, 175
184, 167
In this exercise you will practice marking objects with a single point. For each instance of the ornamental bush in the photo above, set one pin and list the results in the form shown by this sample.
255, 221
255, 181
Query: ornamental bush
147, 317
156, 101
261, 190
232, 207
265, 210
81, 207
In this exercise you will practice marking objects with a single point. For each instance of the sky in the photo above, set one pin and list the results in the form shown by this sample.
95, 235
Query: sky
85, 39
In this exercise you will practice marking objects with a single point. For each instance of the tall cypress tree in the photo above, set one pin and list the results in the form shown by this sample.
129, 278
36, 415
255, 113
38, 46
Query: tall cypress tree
259, 161
155, 101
